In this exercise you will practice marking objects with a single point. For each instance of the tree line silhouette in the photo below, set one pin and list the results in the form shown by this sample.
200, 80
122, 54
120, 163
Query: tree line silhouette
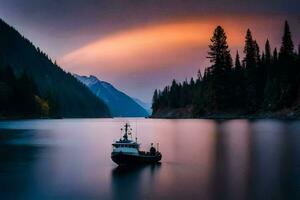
261, 81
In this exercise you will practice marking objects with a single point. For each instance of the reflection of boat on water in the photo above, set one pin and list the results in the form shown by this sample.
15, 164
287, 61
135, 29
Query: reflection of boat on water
124, 170
132, 181
127, 152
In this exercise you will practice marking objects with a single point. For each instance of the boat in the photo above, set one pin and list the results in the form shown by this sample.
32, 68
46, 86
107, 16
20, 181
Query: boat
127, 151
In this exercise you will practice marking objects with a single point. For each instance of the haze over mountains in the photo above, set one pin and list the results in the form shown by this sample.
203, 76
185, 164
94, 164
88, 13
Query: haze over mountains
120, 104
68, 97
145, 105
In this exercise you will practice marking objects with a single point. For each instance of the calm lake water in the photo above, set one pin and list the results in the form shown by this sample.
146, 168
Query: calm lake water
202, 159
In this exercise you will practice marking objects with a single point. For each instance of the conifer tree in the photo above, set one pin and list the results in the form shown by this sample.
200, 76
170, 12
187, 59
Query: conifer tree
251, 56
221, 60
275, 55
237, 61
268, 53
155, 102
238, 84
287, 69
250, 52
287, 46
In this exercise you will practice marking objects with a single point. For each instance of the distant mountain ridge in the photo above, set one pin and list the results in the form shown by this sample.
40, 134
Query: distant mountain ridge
69, 98
120, 104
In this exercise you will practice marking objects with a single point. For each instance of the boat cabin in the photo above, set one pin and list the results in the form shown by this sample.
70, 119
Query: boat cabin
126, 145
132, 148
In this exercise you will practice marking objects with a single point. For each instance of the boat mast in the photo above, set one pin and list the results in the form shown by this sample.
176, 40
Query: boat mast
136, 132
126, 131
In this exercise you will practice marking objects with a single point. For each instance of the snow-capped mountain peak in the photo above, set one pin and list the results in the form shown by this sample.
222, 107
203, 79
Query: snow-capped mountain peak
120, 104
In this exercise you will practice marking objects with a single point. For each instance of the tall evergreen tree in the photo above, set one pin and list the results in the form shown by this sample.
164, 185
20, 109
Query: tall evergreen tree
287, 69
238, 83
219, 53
221, 60
287, 45
268, 56
257, 52
251, 51
155, 102
174, 95
275, 55
238, 64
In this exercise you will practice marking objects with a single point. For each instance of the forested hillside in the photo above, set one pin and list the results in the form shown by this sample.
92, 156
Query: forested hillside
264, 80
66, 96
19, 96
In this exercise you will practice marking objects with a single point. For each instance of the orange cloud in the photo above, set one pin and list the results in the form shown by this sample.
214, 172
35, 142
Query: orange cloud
155, 46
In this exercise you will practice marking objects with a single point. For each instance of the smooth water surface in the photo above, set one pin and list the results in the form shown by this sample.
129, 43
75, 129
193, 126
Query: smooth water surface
202, 159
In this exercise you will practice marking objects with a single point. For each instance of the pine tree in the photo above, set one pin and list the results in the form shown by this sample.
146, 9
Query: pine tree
237, 61
238, 84
251, 51
287, 69
275, 56
287, 46
268, 53
155, 102
174, 95
257, 52
220, 57
219, 53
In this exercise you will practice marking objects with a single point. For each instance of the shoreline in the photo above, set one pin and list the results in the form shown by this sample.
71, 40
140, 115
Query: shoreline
183, 114
174, 115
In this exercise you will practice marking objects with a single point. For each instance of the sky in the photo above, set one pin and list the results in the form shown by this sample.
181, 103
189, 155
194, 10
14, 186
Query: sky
141, 45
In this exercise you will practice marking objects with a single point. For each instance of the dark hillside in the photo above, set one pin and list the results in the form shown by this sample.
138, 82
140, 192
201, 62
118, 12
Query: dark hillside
68, 97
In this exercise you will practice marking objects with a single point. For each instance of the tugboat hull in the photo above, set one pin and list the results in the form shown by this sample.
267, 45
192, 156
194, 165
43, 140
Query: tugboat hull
127, 159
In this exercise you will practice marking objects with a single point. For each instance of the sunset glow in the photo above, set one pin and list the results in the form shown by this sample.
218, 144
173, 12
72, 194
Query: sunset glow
142, 45
156, 46
151, 45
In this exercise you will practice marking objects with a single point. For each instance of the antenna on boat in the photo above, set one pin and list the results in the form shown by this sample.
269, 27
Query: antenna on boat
136, 132
125, 136
130, 133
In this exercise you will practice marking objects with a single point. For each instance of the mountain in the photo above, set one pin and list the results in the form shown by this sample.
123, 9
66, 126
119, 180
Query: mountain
120, 104
68, 97
146, 106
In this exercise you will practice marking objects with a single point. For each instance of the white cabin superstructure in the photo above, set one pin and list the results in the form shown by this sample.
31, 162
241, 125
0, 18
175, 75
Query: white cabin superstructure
125, 145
